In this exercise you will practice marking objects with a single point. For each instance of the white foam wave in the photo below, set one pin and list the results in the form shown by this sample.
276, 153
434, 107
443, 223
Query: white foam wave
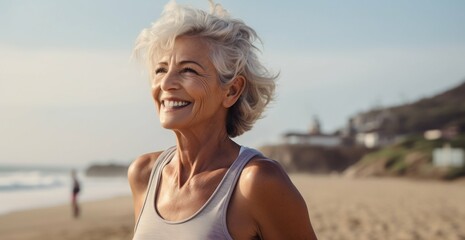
18, 180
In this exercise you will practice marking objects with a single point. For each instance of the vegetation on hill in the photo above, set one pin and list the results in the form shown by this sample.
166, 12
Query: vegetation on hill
437, 112
410, 157
413, 156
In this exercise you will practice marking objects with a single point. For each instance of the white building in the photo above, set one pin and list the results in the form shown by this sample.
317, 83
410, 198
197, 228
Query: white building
313, 139
448, 157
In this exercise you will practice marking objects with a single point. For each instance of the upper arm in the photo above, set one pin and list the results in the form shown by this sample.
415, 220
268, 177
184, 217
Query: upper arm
138, 176
276, 205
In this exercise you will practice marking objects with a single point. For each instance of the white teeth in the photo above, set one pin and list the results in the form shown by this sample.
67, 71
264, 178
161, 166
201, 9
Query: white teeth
175, 103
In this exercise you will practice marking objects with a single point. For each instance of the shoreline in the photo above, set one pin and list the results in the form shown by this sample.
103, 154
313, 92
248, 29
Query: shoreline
111, 218
61, 204
340, 209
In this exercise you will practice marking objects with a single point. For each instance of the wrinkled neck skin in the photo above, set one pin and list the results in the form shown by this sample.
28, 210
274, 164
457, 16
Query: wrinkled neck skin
203, 149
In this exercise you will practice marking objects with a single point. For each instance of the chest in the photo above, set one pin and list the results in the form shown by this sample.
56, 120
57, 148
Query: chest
176, 200
174, 203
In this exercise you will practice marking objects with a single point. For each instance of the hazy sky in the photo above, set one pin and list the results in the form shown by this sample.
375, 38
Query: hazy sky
69, 94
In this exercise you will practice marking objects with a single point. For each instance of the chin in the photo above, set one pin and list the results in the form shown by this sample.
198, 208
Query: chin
171, 125
166, 125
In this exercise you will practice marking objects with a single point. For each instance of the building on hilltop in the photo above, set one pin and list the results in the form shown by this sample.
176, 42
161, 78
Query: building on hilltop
372, 129
314, 136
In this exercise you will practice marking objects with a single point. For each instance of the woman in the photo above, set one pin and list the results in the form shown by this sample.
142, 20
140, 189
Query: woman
76, 188
208, 87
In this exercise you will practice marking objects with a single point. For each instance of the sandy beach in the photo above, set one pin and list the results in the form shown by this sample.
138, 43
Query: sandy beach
340, 208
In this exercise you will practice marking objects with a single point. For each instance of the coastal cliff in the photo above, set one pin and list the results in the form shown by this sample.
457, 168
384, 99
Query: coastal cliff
313, 159
107, 170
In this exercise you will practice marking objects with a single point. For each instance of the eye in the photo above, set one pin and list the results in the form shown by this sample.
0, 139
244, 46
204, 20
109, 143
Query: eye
160, 70
189, 70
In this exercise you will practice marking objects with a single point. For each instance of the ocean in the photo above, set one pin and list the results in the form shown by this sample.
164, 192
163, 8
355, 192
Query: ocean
23, 188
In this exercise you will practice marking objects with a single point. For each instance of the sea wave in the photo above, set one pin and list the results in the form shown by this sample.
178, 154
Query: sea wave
31, 179
51, 186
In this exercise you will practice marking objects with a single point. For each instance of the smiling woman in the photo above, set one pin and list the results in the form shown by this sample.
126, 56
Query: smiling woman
209, 86
186, 87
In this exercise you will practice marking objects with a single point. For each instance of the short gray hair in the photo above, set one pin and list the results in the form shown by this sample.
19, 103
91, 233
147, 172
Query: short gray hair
233, 54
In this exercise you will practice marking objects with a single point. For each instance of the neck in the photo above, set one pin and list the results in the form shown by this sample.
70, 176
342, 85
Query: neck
200, 151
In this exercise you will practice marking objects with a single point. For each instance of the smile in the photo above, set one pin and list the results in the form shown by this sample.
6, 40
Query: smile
174, 104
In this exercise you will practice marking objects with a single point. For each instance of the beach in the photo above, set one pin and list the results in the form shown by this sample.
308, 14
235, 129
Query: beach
110, 219
340, 208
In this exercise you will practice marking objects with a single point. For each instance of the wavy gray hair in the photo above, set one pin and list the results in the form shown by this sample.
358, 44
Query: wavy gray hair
232, 52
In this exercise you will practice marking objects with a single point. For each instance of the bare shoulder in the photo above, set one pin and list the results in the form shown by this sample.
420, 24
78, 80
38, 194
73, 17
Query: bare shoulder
262, 174
140, 169
274, 203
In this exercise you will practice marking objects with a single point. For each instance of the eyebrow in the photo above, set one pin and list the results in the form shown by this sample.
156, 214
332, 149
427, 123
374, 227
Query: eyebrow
191, 62
184, 62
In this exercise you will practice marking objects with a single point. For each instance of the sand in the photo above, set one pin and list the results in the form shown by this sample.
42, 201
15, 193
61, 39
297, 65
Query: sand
380, 208
111, 219
339, 208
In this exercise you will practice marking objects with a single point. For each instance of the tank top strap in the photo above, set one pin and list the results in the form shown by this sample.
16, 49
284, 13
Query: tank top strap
223, 195
233, 174
161, 161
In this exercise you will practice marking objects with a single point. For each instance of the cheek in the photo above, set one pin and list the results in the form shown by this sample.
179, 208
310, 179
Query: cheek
155, 91
208, 96
203, 93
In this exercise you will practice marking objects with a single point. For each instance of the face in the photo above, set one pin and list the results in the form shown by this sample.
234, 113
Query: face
186, 88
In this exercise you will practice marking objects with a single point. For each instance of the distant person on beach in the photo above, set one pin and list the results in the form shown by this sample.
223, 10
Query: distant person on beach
74, 194
209, 86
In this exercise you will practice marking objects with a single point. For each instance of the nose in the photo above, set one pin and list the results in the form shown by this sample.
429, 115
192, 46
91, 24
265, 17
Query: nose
169, 81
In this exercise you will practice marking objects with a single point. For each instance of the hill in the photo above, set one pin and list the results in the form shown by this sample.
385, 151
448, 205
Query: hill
441, 111
107, 170
412, 155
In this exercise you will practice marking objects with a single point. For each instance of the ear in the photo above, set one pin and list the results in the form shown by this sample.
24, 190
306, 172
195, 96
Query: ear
234, 91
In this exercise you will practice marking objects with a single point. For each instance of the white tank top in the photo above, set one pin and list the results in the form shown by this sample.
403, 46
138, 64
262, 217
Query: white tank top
209, 222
